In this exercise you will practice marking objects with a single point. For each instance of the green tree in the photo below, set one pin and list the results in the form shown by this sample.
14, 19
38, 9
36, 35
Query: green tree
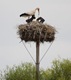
24, 71
60, 70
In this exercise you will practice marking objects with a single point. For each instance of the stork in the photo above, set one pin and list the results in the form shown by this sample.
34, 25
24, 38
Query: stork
28, 14
40, 19
30, 19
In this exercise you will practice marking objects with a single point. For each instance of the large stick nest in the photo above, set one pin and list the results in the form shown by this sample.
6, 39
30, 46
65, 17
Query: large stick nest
36, 31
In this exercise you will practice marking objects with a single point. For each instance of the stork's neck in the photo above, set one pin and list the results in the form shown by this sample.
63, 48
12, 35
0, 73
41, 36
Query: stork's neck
33, 12
37, 10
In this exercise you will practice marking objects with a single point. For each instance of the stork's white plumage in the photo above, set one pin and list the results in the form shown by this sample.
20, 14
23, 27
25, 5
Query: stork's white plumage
28, 14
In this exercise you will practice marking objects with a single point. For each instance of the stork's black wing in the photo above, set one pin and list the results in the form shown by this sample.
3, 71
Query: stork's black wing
40, 19
24, 14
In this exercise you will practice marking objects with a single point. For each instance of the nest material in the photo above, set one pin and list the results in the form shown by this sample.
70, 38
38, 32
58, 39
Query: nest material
36, 31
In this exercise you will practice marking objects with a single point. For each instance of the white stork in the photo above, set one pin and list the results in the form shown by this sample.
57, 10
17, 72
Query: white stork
40, 19
32, 13
30, 19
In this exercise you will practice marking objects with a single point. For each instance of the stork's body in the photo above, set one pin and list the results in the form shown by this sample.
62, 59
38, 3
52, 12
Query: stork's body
28, 14
30, 19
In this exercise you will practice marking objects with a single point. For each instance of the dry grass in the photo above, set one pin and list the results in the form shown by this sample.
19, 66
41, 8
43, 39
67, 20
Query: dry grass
36, 31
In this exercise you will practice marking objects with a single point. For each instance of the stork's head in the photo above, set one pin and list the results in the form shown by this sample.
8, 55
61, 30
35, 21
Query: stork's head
38, 10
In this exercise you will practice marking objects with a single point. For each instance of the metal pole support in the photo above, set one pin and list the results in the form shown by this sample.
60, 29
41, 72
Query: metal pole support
37, 60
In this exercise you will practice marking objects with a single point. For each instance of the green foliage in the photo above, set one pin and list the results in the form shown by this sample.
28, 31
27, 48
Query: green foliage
60, 70
25, 71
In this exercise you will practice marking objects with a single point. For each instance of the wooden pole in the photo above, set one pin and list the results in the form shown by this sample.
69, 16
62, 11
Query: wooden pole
37, 60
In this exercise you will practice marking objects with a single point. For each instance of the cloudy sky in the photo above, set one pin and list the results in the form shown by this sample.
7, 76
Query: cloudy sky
56, 13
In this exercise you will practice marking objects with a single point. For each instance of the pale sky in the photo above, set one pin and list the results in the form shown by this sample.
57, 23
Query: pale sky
55, 12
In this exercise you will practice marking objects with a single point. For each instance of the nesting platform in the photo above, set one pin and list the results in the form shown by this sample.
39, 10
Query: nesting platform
36, 31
